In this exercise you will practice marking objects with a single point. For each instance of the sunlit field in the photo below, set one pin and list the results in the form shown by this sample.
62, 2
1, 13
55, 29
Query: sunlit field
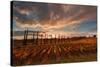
50, 51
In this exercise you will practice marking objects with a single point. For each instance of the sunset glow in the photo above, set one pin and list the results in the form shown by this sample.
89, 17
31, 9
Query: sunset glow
69, 20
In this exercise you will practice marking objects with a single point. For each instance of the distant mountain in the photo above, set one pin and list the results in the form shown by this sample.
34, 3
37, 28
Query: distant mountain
18, 33
21, 33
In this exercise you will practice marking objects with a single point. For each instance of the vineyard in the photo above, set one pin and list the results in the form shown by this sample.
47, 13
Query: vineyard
50, 51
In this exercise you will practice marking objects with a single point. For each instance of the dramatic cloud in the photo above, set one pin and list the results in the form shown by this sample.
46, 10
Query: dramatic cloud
52, 17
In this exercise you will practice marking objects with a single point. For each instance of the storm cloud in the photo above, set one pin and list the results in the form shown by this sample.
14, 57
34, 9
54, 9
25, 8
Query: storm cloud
50, 16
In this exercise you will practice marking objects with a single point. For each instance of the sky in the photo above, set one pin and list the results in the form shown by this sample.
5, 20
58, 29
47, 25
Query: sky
54, 18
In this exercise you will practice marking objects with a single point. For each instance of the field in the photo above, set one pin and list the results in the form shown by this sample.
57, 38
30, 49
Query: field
50, 51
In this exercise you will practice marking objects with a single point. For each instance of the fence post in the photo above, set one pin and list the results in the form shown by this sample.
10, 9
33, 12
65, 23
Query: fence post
25, 37
45, 39
59, 39
33, 38
55, 38
37, 37
51, 39
64, 39
41, 39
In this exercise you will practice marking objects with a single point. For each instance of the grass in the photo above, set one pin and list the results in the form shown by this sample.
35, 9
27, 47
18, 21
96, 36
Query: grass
72, 50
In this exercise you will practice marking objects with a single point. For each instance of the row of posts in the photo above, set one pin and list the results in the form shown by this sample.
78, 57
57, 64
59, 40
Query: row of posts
41, 39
